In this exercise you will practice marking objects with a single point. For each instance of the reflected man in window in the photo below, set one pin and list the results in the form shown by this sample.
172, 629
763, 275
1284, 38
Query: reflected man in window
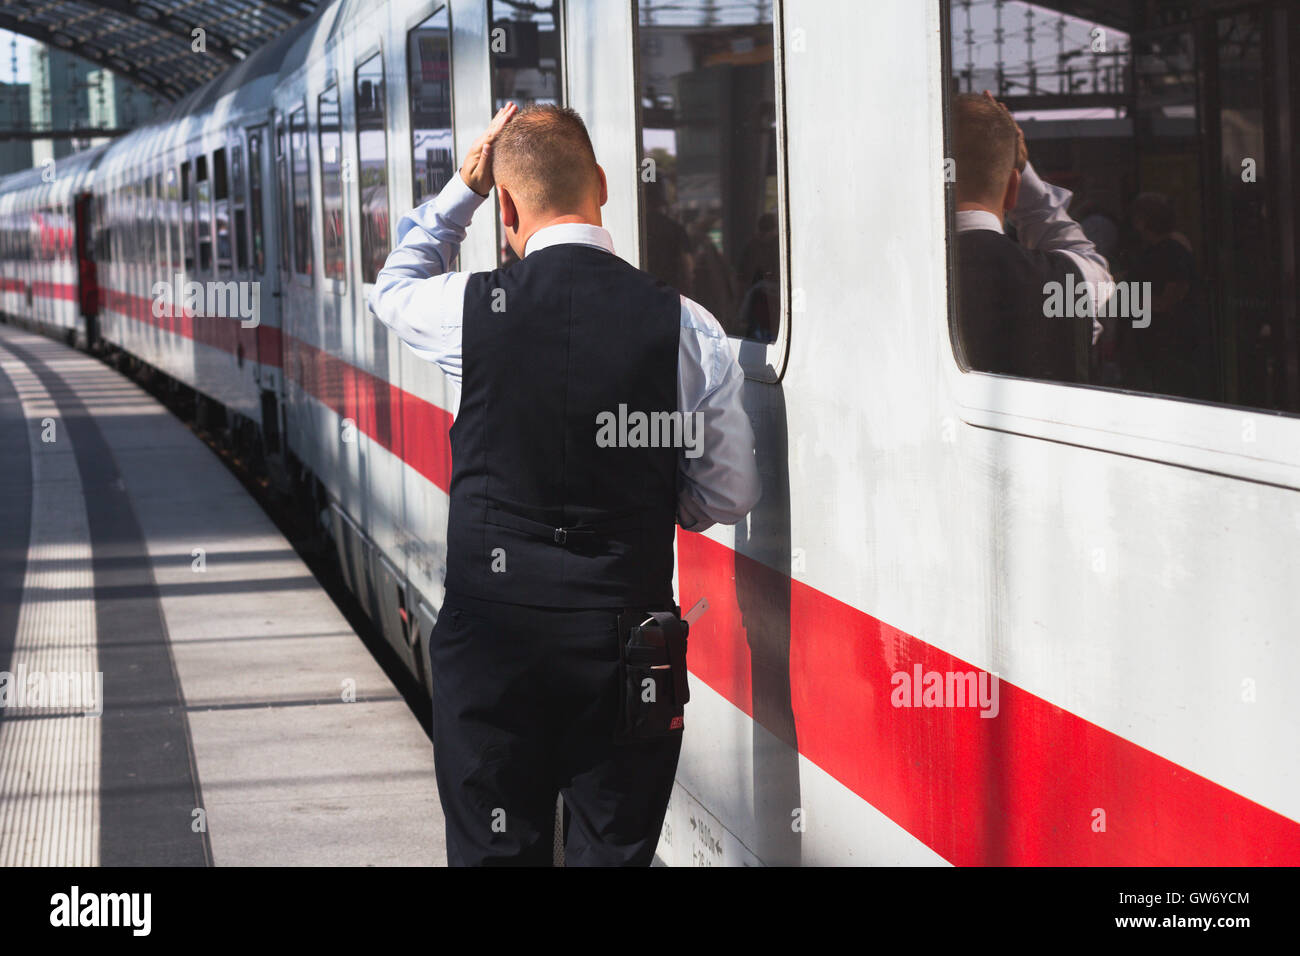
1003, 285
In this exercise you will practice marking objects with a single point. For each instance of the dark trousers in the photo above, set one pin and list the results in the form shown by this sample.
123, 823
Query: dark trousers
525, 706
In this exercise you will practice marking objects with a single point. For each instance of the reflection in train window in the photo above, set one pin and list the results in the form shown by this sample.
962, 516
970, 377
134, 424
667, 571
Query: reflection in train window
710, 173
331, 182
525, 45
301, 191
237, 203
172, 212
203, 206
221, 207
159, 257
428, 60
187, 216
255, 198
1170, 151
146, 223
372, 181
285, 237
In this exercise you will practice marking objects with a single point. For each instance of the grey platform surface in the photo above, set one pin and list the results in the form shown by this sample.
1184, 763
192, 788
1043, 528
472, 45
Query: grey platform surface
225, 736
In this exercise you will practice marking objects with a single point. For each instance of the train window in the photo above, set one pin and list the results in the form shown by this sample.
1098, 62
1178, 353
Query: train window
237, 204
525, 44
282, 176
1150, 242
255, 199
149, 223
711, 169
301, 191
171, 214
221, 210
330, 143
138, 219
187, 216
220, 179
429, 62
203, 207
372, 181
159, 259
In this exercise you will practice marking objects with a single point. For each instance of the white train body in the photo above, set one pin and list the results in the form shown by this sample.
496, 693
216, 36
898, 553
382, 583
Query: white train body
1122, 568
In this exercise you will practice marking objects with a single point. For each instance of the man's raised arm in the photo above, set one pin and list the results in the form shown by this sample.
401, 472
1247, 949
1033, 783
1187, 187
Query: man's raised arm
414, 294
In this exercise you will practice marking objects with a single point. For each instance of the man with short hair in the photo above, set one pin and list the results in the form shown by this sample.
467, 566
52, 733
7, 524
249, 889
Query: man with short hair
1002, 285
558, 523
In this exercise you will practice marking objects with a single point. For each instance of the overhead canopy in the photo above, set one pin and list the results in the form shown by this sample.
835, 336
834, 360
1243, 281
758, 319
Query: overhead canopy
152, 42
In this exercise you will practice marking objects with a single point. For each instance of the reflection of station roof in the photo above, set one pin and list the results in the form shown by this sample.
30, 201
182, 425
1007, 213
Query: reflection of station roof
151, 41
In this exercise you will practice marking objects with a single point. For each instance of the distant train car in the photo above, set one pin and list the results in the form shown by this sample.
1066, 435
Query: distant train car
976, 618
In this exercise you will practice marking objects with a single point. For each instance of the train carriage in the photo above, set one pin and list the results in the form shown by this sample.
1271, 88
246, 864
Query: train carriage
1105, 568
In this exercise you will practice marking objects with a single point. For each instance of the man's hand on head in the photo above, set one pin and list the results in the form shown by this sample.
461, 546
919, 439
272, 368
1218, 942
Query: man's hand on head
1022, 150
476, 171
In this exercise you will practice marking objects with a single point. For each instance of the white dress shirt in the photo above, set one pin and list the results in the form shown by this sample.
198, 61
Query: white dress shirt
1042, 223
419, 299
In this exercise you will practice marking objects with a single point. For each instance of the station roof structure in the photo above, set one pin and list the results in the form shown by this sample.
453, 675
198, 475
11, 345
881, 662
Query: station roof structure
152, 42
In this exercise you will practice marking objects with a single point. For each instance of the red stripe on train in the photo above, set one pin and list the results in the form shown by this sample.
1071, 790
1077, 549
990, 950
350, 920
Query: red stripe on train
1022, 788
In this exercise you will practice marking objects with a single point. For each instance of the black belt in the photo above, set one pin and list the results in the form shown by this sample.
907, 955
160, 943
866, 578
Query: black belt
561, 535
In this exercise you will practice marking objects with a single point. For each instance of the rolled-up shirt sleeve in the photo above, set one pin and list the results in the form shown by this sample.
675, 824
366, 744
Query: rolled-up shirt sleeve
414, 294
720, 485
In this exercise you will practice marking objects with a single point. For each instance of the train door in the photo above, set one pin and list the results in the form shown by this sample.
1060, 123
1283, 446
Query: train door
87, 279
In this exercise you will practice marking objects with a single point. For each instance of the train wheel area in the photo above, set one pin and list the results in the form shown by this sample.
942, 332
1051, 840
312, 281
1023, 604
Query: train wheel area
178, 688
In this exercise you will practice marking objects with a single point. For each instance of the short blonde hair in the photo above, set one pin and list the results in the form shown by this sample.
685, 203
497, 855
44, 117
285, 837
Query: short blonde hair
545, 158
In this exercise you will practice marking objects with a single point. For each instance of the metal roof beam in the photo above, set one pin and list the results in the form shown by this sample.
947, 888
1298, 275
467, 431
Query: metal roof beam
167, 88
168, 22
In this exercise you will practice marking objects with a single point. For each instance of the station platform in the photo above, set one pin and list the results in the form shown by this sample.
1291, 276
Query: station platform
243, 721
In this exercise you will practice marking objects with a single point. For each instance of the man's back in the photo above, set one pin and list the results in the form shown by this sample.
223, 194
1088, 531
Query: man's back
1001, 301
542, 511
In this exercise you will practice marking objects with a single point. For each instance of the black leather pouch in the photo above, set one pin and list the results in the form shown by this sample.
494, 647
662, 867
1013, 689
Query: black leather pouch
652, 673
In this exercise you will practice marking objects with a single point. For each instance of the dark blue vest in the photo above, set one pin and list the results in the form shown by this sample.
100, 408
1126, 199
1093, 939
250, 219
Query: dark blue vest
541, 514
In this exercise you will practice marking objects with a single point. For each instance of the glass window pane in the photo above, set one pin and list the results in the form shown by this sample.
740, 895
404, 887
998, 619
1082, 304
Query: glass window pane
241, 215
187, 216
1172, 153
710, 185
525, 45
331, 180
429, 62
255, 199
282, 174
221, 210
173, 214
372, 182
203, 211
301, 192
